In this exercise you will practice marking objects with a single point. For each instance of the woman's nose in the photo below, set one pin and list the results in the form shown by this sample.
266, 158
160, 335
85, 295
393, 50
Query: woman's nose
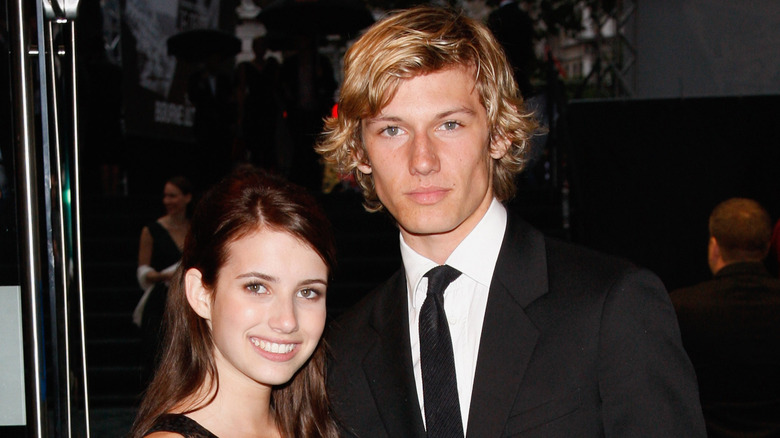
283, 318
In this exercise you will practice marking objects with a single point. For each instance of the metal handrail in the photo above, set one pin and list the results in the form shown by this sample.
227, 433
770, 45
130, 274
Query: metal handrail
76, 205
27, 201
44, 188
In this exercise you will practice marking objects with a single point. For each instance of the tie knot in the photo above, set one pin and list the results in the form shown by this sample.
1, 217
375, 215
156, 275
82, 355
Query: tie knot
440, 277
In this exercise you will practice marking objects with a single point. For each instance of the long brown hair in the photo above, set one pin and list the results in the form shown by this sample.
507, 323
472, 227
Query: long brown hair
237, 206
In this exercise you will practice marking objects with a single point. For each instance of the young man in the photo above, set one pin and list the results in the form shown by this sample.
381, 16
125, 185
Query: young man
730, 327
543, 338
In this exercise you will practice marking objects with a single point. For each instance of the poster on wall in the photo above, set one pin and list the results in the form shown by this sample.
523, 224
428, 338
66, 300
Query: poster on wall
155, 84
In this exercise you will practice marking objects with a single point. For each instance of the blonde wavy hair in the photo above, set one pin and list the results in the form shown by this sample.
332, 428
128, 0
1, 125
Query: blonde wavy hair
415, 42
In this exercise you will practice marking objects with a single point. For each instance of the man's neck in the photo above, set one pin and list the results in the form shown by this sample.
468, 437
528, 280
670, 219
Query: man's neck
438, 247
722, 265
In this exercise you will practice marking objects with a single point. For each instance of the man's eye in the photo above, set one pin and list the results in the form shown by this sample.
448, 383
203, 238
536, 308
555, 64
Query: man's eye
449, 126
391, 131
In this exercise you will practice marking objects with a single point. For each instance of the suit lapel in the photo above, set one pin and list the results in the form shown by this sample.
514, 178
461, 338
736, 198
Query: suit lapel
388, 364
508, 335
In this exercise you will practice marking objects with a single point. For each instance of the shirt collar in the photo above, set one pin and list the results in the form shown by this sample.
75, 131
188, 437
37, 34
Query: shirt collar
742, 268
475, 256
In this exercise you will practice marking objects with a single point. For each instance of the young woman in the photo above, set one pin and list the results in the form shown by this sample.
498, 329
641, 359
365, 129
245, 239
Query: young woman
159, 252
246, 309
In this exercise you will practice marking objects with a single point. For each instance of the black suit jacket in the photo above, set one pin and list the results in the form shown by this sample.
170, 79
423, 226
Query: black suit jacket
574, 344
731, 329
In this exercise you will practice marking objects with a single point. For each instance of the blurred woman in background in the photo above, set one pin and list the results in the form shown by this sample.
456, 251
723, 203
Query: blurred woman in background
159, 253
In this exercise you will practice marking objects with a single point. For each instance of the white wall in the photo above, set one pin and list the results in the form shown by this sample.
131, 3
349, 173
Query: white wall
12, 397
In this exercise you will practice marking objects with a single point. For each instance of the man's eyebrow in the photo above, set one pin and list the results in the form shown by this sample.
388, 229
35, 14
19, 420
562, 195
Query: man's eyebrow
448, 113
442, 115
380, 118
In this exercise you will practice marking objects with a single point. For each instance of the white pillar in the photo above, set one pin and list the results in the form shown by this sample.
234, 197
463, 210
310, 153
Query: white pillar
248, 29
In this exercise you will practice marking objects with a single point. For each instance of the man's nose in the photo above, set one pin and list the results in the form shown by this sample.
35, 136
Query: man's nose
423, 159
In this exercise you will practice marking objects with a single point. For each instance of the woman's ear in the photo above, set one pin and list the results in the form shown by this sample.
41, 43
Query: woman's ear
198, 295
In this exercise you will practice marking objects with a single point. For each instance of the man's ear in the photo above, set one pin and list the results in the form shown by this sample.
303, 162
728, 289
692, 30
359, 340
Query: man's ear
363, 164
714, 256
198, 295
713, 242
499, 146
713, 247
364, 167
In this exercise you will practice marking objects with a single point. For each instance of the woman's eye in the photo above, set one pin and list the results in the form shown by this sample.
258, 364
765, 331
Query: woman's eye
256, 288
309, 294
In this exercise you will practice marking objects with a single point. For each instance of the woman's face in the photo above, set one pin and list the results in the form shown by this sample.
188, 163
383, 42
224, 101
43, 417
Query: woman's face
269, 309
174, 200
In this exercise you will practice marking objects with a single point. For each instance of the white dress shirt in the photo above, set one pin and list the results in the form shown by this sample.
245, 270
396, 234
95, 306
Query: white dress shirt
465, 299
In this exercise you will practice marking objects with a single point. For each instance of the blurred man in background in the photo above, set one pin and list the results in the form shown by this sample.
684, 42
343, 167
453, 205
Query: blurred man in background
731, 325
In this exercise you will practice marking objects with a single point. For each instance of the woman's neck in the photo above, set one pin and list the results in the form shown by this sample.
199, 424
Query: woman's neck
238, 410
177, 219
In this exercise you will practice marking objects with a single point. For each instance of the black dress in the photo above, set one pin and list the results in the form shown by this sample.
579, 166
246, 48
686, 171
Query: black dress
181, 424
165, 252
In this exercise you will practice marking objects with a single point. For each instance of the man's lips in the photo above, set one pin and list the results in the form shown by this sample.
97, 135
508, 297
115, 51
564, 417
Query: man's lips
428, 195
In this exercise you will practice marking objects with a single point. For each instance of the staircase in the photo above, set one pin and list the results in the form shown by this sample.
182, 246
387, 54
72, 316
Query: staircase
110, 231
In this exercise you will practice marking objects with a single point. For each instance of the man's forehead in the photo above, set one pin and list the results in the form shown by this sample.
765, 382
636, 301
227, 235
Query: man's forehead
391, 91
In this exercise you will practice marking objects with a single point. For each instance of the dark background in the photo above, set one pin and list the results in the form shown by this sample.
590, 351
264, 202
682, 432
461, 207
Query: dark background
647, 173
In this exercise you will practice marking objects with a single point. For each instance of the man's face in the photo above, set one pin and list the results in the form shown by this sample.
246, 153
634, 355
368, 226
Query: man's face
430, 156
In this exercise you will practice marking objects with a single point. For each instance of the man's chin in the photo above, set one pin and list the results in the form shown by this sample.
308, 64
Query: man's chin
427, 228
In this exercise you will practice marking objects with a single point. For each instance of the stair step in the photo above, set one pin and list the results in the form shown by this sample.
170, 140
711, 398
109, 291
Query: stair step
111, 299
111, 352
113, 248
110, 325
109, 273
114, 380
113, 401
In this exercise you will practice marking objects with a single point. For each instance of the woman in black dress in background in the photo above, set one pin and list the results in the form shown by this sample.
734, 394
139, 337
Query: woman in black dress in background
159, 254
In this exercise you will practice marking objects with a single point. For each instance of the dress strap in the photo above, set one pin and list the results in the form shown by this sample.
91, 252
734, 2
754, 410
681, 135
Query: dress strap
182, 424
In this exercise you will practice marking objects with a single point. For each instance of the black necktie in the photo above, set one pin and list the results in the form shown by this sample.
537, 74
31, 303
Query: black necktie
440, 388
